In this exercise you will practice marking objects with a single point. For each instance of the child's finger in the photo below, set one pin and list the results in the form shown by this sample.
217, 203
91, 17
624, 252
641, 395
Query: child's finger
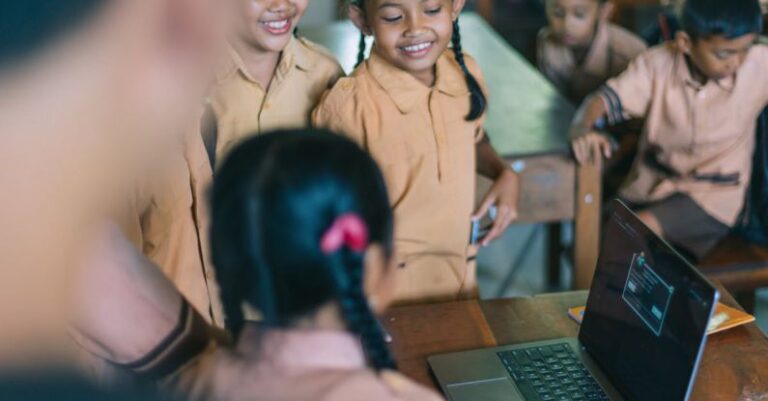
498, 225
486, 204
577, 151
607, 148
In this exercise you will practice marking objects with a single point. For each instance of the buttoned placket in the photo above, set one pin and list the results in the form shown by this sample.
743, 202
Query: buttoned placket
438, 130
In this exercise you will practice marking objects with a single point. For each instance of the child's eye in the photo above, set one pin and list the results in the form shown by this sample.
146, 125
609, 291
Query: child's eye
558, 13
394, 18
433, 11
722, 55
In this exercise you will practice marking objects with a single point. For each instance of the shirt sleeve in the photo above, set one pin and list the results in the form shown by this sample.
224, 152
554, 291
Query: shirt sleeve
629, 94
336, 112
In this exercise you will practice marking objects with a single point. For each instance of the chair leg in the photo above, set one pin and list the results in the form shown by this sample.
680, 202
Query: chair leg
555, 251
747, 300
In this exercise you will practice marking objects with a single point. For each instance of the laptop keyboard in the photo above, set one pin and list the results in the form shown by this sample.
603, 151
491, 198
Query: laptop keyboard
551, 373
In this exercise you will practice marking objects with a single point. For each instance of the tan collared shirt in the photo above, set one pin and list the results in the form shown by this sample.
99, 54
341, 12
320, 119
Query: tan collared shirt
244, 108
611, 51
295, 365
169, 222
698, 139
426, 150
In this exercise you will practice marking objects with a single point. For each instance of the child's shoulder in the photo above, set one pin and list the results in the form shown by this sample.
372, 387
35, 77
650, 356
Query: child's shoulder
318, 54
341, 97
759, 52
660, 57
624, 42
469, 61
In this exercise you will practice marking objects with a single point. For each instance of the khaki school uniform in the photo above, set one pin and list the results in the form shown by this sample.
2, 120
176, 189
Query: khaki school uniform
609, 54
243, 107
169, 221
426, 150
294, 365
698, 140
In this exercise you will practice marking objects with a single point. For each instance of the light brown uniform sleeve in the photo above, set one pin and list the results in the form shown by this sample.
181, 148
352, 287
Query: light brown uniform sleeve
336, 112
630, 94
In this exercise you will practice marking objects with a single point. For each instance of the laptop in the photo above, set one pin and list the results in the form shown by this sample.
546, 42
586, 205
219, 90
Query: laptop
642, 336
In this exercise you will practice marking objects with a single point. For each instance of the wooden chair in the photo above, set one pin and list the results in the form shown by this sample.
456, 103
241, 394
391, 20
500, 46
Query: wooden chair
740, 266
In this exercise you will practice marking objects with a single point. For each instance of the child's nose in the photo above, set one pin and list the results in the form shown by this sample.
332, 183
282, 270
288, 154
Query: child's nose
280, 6
415, 25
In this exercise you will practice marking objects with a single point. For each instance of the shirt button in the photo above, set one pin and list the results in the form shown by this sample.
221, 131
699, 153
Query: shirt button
267, 106
346, 85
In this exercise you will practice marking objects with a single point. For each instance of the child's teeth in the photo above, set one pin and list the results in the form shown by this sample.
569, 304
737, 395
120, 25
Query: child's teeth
277, 24
416, 48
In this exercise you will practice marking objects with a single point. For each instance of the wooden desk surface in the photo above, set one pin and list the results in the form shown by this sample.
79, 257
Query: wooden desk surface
734, 367
526, 114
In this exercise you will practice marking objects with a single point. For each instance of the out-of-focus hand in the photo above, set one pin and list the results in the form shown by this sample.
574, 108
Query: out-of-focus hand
504, 194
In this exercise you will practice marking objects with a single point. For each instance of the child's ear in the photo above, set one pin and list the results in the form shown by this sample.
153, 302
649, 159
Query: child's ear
683, 41
357, 15
456, 8
606, 11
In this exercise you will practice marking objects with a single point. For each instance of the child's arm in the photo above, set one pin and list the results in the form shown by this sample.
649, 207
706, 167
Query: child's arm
503, 194
586, 142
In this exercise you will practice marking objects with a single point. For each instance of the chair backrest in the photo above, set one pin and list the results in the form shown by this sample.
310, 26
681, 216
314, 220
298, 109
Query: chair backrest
753, 223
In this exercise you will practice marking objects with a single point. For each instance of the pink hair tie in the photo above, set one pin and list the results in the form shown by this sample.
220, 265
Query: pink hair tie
347, 230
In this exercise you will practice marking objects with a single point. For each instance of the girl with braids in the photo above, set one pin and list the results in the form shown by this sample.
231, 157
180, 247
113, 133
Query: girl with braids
302, 232
417, 106
274, 78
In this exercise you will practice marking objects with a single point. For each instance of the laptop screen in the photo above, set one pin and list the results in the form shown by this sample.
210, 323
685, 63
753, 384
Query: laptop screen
647, 312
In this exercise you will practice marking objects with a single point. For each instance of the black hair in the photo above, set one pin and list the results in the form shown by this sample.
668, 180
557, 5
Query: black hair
731, 19
273, 199
28, 26
477, 100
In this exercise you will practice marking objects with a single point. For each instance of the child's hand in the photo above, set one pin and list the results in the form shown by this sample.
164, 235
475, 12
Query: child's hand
503, 194
590, 145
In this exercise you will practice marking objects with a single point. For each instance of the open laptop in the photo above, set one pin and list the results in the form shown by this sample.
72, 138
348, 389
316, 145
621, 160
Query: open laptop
642, 337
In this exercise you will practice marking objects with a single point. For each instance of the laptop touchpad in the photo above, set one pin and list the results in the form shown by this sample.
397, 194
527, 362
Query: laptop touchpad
485, 390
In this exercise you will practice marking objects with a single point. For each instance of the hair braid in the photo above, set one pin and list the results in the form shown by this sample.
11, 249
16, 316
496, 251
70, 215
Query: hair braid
477, 99
357, 312
361, 47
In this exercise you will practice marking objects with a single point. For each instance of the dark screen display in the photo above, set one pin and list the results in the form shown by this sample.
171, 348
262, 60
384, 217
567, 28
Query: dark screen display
647, 312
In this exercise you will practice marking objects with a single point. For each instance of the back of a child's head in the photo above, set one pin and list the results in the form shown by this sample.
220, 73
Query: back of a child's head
274, 200
731, 19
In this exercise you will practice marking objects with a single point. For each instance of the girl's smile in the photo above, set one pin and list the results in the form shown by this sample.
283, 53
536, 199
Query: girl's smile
417, 50
277, 26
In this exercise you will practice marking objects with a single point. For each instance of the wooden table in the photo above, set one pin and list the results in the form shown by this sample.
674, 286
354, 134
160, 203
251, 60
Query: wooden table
734, 367
527, 123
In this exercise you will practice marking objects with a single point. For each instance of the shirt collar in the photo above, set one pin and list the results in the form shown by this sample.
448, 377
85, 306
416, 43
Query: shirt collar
683, 73
294, 55
304, 348
406, 91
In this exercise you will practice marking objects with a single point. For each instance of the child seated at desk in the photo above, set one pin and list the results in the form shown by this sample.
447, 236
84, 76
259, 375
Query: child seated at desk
580, 49
302, 231
275, 78
700, 96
